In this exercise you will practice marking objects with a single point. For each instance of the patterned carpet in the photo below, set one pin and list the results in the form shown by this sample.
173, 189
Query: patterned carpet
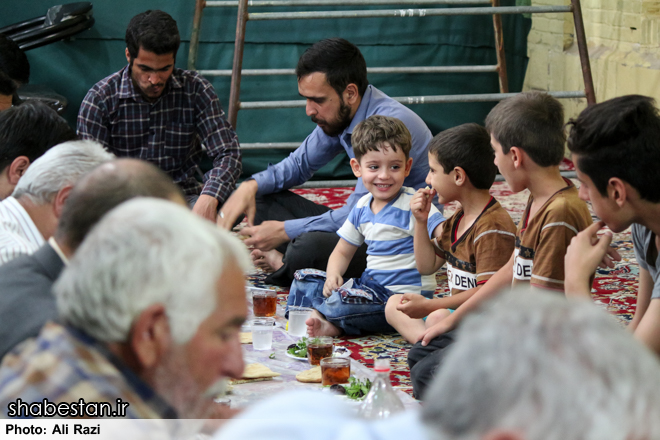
614, 289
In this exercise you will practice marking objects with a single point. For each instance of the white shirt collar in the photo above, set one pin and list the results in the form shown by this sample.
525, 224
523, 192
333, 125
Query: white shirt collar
58, 250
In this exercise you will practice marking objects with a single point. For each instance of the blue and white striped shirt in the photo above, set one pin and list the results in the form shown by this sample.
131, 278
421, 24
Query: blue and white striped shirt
389, 237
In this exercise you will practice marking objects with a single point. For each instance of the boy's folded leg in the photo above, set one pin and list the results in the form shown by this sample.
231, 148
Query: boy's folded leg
359, 310
306, 289
424, 361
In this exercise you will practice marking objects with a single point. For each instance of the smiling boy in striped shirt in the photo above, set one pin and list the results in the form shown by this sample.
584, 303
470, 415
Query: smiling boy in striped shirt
384, 221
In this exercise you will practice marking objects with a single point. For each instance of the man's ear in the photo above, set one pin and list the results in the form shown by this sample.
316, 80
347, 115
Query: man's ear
60, 199
150, 336
516, 156
351, 95
617, 191
408, 166
128, 56
460, 177
17, 168
355, 166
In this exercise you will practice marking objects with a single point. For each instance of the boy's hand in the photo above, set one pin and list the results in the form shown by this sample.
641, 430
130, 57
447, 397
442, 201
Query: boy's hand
586, 252
435, 331
332, 282
420, 204
413, 305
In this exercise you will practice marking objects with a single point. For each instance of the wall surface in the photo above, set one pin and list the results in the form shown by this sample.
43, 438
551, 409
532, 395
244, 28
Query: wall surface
72, 67
623, 38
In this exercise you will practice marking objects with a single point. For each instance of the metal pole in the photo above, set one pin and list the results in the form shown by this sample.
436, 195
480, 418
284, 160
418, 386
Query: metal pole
499, 50
194, 36
584, 52
370, 70
489, 10
413, 100
262, 3
239, 46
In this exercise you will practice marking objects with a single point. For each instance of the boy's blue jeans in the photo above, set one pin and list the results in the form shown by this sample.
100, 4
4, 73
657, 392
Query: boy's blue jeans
358, 310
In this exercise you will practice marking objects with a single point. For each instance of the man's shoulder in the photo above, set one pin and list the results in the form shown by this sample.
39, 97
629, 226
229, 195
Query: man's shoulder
109, 85
382, 104
190, 79
640, 234
58, 367
30, 272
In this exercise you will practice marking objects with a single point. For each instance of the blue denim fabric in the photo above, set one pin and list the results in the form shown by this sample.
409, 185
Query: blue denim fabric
355, 314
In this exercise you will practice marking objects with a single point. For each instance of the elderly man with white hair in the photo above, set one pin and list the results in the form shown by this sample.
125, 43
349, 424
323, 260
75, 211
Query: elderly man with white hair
29, 217
530, 366
152, 304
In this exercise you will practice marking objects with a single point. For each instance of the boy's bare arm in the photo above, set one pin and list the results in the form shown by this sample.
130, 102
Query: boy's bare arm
416, 306
427, 261
643, 297
501, 279
337, 264
648, 330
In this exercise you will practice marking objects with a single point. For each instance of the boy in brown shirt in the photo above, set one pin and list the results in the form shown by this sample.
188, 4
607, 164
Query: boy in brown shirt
527, 135
475, 242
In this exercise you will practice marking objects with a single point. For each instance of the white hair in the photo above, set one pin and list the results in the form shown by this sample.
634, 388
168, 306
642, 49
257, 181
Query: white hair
144, 252
58, 167
548, 368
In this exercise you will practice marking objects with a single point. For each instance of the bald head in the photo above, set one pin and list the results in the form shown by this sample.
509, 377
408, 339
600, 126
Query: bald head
105, 187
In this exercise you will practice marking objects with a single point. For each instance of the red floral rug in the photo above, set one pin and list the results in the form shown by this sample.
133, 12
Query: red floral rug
614, 290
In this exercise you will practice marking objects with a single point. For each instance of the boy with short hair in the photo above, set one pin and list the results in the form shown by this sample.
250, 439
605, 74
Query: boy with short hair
475, 242
616, 151
384, 221
527, 135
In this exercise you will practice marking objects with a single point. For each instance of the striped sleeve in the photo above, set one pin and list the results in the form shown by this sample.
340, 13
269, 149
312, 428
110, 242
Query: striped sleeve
349, 230
548, 270
492, 250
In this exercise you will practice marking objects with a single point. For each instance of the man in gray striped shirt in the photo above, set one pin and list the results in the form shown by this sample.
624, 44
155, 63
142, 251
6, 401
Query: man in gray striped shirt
29, 217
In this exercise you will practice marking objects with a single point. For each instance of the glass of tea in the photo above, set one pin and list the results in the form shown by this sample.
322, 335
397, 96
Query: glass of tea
335, 370
319, 348
264, 302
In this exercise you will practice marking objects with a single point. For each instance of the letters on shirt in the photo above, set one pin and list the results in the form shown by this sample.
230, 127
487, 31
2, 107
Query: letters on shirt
460, 279
522, 268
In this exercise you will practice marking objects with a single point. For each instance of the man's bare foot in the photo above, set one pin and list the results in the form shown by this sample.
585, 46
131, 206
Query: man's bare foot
269, 261
318, 326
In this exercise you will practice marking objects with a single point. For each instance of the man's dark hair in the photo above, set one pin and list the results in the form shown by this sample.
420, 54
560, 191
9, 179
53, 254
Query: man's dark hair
466, 146
108, 186
13, 60
7, 85
533, 122
154, 31
340, 61
30, 129
619, 138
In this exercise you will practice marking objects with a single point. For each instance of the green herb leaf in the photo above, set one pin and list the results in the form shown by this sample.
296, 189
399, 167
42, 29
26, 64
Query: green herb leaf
272, 356
356, 388
300, 349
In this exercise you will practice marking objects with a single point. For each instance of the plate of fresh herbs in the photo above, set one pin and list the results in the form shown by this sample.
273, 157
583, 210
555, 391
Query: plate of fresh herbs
356, 388
298, 350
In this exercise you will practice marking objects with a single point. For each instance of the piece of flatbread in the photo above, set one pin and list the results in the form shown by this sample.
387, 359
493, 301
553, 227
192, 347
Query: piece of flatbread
240, 381
312, 375
246, 337
254, 371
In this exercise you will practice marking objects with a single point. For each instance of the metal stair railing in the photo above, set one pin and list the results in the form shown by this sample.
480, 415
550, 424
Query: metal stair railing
243, 16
